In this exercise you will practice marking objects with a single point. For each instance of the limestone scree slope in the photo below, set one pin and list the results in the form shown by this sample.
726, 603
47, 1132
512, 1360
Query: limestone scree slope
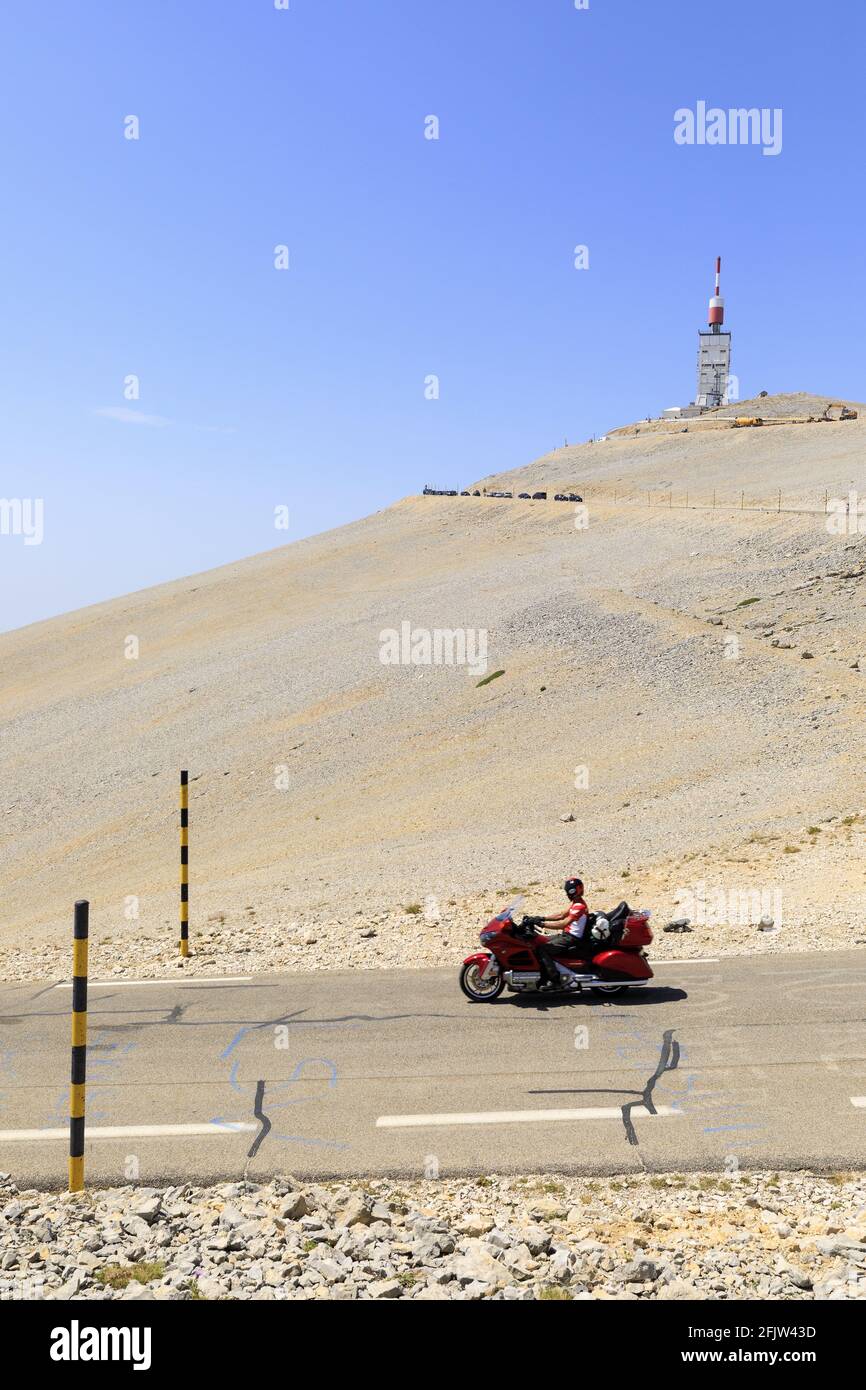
686, 681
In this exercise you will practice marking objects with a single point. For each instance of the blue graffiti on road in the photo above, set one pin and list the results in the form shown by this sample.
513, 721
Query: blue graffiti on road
255, 1091
102, 1074
726, 1115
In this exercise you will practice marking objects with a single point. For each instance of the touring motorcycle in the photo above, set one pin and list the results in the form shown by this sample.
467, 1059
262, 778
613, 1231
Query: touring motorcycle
510, 960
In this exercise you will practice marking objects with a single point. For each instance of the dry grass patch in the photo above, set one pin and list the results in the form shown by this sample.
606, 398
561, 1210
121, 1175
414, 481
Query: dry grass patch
118, 1276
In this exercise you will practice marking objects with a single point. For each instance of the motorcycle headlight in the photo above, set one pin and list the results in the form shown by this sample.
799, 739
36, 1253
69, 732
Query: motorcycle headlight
488, 935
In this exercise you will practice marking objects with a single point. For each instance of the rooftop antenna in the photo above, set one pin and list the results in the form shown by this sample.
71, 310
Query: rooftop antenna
714, 353
716, 316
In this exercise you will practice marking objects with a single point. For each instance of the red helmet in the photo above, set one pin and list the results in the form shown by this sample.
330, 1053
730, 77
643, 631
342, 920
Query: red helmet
574, 888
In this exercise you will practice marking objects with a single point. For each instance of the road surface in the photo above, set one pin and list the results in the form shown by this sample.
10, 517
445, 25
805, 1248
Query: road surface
746, 1061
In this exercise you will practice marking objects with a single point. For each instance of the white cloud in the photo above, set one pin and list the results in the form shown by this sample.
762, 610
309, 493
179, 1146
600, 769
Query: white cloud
130, 417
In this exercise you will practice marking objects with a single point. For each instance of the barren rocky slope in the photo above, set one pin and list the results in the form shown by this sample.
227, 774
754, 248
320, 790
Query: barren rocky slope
757, 1235
697, 668
707, 461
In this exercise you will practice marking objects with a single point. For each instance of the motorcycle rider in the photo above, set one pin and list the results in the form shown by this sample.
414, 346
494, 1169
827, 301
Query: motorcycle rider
577, 938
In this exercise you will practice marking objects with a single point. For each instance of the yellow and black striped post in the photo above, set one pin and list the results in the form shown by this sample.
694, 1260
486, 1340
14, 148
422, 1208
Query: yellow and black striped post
184, 863
79, 1047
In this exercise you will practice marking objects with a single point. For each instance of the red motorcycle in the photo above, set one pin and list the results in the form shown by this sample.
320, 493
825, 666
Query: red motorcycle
511, 959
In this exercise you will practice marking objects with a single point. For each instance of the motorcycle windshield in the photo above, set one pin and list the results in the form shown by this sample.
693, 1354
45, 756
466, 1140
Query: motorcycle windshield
512, 912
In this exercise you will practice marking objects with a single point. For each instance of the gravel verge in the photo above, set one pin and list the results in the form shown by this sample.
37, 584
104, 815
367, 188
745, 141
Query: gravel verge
786, 1236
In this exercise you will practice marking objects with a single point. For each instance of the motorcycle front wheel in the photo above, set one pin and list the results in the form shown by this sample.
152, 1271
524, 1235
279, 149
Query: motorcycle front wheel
478, 990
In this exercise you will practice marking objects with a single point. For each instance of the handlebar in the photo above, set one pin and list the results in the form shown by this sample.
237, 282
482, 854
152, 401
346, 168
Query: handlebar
527, 925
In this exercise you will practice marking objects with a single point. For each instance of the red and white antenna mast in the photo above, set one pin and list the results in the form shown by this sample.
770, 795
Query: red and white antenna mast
716, 315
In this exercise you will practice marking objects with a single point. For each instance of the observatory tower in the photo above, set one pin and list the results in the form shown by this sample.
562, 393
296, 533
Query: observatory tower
714, 354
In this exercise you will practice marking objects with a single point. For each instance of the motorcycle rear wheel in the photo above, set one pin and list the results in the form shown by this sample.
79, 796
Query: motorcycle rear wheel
478, 990
609, 991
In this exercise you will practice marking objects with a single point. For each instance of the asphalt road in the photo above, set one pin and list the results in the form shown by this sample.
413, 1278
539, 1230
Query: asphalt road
749, 1061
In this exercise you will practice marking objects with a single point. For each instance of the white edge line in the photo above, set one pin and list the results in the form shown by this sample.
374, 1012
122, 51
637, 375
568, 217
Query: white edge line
692, 960
31, 1136
859, 1101
508, 1117
245, 979
168, 980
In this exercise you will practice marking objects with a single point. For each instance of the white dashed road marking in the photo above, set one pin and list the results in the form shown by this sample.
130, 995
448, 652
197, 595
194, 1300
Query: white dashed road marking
33, 1136
510, 1117
169, 980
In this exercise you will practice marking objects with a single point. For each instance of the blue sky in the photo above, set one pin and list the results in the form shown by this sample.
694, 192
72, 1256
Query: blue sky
408, 257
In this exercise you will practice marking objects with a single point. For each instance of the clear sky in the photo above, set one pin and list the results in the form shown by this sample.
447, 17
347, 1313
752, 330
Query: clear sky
408, 257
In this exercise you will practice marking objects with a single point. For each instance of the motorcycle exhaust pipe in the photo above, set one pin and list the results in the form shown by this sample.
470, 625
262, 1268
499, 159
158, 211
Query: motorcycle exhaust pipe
594, 981
630, 984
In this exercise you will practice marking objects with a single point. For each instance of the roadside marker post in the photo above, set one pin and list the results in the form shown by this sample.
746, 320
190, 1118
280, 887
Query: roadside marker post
78, 1073
184, 863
